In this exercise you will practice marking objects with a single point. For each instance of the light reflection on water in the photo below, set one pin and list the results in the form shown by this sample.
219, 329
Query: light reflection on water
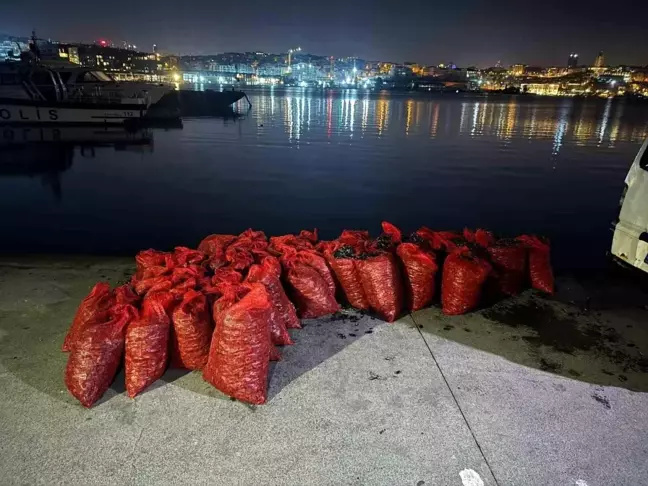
581, 122
333, 160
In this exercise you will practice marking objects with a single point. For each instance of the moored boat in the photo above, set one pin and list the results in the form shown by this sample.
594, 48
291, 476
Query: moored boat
31, 92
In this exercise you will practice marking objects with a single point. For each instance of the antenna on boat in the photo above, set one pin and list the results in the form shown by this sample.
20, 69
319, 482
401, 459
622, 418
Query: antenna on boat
33, 45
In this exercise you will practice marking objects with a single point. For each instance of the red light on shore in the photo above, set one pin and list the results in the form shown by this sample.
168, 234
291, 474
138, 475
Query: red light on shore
103, 42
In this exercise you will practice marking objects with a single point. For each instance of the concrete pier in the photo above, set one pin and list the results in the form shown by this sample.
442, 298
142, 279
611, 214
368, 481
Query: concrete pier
532, 391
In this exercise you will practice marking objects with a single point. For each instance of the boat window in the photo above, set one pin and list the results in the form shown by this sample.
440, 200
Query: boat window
65, 76
9, 79
45, 84
42, 78
103, 77
87, 77
643, 163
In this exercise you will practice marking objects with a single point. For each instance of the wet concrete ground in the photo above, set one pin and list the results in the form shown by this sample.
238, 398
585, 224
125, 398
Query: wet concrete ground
532, 390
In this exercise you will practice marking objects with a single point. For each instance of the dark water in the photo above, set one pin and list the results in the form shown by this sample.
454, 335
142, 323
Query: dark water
304, 159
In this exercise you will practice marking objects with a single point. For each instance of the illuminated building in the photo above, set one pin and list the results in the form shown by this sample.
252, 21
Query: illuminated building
544, 89
416, 69
115, 59
71, 53
56, 51
271, 70
231, 68
12, 47
518, 69
402, 70
639, 75
599, 62
572, 62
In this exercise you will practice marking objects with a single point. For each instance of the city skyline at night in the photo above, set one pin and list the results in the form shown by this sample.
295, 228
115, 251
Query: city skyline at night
466, 34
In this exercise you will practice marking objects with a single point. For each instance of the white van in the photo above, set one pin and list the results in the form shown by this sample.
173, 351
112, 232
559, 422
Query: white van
630, 242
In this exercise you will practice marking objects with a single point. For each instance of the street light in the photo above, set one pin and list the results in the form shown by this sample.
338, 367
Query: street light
290, 53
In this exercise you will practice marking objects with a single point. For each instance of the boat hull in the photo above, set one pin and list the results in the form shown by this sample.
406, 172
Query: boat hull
189, 103
26, 111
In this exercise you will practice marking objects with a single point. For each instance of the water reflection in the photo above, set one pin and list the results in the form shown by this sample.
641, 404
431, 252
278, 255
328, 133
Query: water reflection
560, 130
581, 122
46, 153
444, 161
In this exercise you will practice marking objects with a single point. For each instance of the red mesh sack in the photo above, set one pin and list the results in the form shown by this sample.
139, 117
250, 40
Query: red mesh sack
341, 258
441, 240
253, 235
326, 247
147, 345
125, 294
155, 284
420, 271
278, 244
150, 258
92, 310
215, 245
285, 308
181, 289
181, 274
151, 272
312, 293
463, 278
309, 235
346, 271
392, 231
272, 265
215, 262
260, 254
381, 281
239, 258
312, 259
165, 298
479, 237
275, 355
265, 274
540, 269
240, 349
223, 277
509, 264
354, 238
192, 331
250, 243
96, 356
227, 274
186, 256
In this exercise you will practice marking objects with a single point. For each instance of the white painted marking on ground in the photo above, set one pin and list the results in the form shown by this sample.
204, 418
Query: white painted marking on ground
470, 478
581, 482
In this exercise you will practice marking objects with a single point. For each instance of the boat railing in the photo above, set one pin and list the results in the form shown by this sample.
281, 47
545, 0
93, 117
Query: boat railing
96, 94
32, 90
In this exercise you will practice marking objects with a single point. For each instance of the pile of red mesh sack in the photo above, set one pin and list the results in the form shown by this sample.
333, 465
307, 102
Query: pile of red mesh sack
225, 307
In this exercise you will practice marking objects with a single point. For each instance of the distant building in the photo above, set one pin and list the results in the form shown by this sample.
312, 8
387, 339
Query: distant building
544, 89
271, 70
402, 70
518, 69
534, 71
599, 62
572, 61
11, 47
117, 59
236, 68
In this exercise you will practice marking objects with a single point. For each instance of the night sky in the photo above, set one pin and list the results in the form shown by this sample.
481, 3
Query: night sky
467, 32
